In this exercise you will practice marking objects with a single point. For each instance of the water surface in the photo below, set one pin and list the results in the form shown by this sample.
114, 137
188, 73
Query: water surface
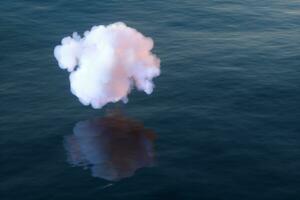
226, 107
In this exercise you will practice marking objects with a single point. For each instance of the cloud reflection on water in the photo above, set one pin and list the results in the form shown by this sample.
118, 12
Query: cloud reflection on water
112, 147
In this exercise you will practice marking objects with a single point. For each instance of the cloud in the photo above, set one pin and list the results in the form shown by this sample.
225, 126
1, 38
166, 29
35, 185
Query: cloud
107, 63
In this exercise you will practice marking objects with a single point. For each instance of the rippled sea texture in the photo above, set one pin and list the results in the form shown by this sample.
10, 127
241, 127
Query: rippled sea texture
226, 107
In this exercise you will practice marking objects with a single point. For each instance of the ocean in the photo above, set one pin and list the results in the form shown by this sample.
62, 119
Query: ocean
222, 122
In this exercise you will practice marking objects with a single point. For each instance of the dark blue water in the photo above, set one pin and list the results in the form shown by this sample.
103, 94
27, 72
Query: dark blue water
225, 110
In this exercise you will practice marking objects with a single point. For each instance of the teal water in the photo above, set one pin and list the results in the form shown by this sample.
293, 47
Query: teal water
225, 109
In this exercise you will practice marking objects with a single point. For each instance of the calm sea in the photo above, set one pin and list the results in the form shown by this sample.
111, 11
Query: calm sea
225, 111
